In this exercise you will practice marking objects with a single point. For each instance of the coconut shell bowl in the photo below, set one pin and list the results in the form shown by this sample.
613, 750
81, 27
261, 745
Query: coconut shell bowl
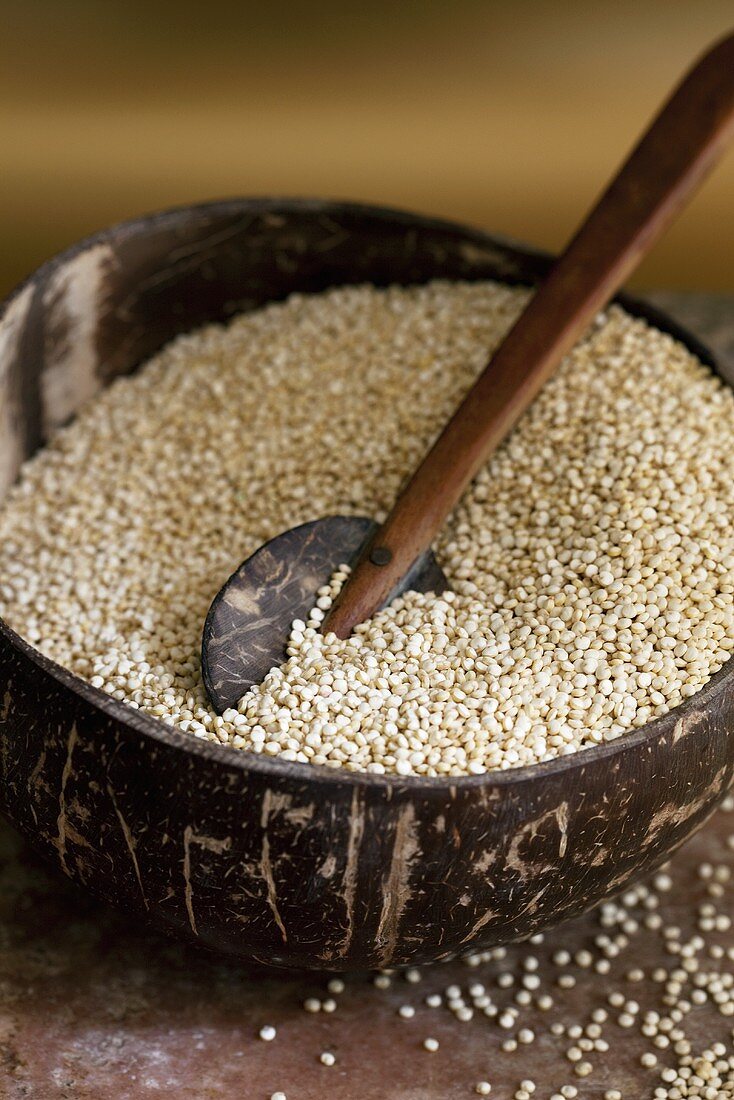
286, 863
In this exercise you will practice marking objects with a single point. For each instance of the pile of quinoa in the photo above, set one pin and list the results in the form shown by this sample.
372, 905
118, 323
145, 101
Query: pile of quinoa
591, 562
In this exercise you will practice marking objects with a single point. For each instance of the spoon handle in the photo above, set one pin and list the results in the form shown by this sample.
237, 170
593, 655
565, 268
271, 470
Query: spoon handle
662, 172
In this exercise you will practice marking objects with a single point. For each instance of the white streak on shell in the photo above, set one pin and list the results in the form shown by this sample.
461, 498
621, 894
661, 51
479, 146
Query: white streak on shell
73, 303
396, 890
270, 805
11, 434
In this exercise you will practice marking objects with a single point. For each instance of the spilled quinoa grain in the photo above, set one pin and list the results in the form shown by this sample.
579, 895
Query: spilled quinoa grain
592, 560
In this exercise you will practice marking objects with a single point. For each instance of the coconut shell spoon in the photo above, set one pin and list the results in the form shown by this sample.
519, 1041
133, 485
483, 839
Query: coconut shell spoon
248, 624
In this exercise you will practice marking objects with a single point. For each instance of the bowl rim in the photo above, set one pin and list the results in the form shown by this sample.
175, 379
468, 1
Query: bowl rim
243, 761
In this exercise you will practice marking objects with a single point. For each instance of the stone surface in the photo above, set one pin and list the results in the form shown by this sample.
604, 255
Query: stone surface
95, 1007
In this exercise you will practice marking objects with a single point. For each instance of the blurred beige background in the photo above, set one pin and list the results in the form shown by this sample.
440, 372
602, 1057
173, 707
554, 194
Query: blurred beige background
506, 114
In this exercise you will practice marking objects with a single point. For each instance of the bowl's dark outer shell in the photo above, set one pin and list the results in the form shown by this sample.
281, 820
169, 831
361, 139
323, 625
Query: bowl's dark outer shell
276, 861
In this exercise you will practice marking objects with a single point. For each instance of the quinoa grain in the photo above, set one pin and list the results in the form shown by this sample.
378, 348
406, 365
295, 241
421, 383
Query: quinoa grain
593, 579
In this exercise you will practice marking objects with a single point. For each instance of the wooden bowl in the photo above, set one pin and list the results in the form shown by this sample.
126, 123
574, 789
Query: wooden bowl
281, 862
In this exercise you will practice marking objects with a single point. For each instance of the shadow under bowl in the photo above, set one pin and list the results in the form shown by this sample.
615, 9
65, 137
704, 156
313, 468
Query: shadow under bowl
283, 862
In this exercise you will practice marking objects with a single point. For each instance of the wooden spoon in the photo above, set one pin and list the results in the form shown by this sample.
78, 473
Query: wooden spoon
248, 624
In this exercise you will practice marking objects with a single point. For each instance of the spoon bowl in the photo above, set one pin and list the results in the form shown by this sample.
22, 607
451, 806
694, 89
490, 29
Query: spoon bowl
291, 864
249, 621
